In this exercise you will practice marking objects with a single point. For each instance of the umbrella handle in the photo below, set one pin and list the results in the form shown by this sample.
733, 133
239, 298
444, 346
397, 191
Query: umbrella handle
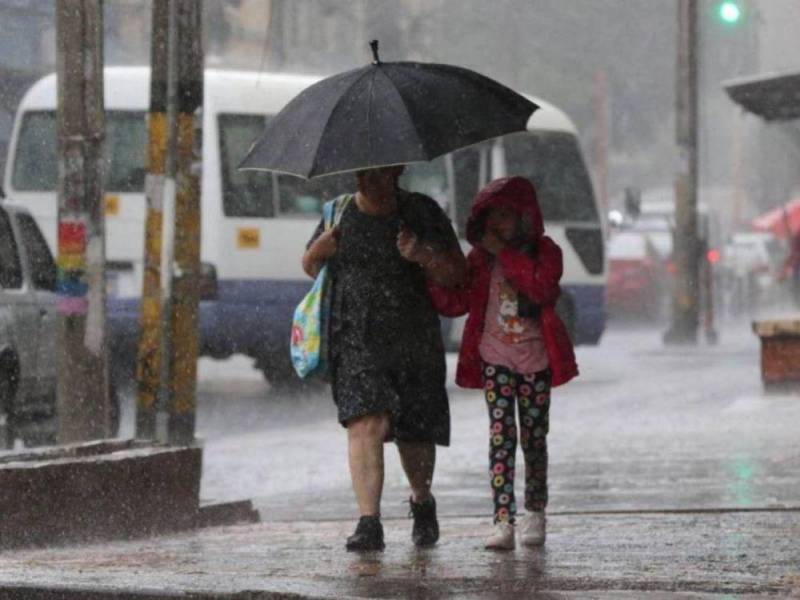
374, 45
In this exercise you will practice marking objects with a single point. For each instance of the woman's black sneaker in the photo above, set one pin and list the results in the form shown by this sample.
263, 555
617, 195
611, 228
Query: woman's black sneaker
368, 535
426, 527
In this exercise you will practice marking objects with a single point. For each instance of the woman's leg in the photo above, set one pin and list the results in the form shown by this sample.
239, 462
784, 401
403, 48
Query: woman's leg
418, 460
499, 388
365, 438
533, 394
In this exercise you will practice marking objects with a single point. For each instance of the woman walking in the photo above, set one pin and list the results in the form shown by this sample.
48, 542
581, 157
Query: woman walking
386, 352
514, 345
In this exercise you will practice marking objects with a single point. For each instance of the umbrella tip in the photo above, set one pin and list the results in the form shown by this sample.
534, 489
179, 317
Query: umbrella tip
374, 45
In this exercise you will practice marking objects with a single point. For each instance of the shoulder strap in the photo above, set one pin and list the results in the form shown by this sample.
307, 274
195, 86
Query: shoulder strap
340, 204
333, 210
328, 213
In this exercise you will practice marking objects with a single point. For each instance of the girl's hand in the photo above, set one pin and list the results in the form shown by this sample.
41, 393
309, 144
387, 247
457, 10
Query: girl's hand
408, 245
492, 243
326, 244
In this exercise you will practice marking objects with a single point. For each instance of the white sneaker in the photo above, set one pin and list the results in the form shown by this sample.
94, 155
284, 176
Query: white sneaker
532, 529
502, 537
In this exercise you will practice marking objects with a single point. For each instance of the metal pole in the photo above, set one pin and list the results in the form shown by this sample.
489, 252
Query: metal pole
686, 248
82, 395
149, 355
184, 301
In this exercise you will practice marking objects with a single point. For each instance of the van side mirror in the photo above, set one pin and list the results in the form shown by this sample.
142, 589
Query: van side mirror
208, 281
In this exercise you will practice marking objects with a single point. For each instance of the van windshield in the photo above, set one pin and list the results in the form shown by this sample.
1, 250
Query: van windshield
550, 159
553, 162
36, 160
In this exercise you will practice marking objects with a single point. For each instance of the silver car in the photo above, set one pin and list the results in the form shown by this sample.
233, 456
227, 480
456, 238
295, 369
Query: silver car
27, 330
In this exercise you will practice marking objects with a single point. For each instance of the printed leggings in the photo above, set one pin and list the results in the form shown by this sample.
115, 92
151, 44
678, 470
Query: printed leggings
503, 387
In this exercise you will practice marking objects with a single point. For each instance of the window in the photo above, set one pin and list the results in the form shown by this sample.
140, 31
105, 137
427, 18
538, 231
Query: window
43, 269
10, 267
429, 178
36, 160
467, 166
552, 161
244, 193
264, 194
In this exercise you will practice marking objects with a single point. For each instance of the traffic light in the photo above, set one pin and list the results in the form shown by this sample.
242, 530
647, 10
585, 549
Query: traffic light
730, 12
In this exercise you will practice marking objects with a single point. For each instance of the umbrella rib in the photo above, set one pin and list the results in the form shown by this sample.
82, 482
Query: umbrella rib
408, 114
334, 108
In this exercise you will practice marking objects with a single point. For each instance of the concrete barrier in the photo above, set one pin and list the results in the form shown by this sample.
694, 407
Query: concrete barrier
100, 490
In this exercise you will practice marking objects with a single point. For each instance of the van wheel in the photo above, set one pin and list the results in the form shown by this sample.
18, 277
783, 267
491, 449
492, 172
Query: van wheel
9, 380
281, 376
565, 308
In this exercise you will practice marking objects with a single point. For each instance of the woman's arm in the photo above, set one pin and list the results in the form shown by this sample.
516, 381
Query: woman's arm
320, 250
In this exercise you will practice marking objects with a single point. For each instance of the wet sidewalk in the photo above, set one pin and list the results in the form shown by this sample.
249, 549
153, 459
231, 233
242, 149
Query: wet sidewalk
704, 554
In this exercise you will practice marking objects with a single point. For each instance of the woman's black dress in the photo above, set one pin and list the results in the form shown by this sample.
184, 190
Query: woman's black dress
386, 351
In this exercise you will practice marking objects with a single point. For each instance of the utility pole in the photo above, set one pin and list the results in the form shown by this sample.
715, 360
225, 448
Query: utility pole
686, 246
82, 394
185, 267
168, 346
148, 368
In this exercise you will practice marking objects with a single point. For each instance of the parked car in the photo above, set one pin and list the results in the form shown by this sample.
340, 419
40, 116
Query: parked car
637, 278
28, 370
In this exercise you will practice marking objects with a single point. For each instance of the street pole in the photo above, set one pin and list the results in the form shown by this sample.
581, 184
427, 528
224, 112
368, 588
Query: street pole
686, 246
148, 368
183, 305
601, 135
82, 394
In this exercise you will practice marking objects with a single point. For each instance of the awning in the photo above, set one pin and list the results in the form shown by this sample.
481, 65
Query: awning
772, 97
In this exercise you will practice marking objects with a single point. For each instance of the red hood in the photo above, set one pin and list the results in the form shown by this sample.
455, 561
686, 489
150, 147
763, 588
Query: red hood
516, 193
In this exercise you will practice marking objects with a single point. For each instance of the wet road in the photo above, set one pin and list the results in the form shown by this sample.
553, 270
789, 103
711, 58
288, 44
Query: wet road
665, 436
643, 427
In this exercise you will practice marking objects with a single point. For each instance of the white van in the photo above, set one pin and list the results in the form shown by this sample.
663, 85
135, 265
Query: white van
255, 225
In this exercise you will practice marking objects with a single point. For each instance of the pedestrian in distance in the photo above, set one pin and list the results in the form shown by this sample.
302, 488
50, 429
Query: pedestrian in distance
514, 346
387, 363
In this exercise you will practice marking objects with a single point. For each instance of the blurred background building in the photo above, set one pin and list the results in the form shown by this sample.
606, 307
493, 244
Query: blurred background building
609, 63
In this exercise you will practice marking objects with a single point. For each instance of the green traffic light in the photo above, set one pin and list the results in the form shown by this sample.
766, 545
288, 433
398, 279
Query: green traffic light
730, 12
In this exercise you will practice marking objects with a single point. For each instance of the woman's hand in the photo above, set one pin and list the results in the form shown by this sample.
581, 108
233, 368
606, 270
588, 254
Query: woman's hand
492, 242
409, 247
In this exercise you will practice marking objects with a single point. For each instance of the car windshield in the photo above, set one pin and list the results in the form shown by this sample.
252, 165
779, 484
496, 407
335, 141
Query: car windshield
36, 163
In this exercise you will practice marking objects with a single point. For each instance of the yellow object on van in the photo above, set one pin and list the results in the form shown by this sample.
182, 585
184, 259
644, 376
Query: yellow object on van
248, 238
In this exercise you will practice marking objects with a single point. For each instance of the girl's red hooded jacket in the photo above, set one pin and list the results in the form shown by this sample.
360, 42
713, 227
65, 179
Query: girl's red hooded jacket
535, 278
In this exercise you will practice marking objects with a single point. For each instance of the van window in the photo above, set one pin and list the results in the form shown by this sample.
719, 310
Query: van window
264, 194
43, 269
553, 162
10, 267
36, 159
244, 193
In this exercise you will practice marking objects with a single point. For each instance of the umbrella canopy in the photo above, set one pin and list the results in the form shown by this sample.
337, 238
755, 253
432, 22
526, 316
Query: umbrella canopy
386, 114
782, 221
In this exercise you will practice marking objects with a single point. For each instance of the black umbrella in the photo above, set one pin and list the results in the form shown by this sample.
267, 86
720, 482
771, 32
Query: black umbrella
386, 114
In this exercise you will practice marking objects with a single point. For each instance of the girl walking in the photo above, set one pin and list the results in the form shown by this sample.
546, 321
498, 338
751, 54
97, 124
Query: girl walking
514, 345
